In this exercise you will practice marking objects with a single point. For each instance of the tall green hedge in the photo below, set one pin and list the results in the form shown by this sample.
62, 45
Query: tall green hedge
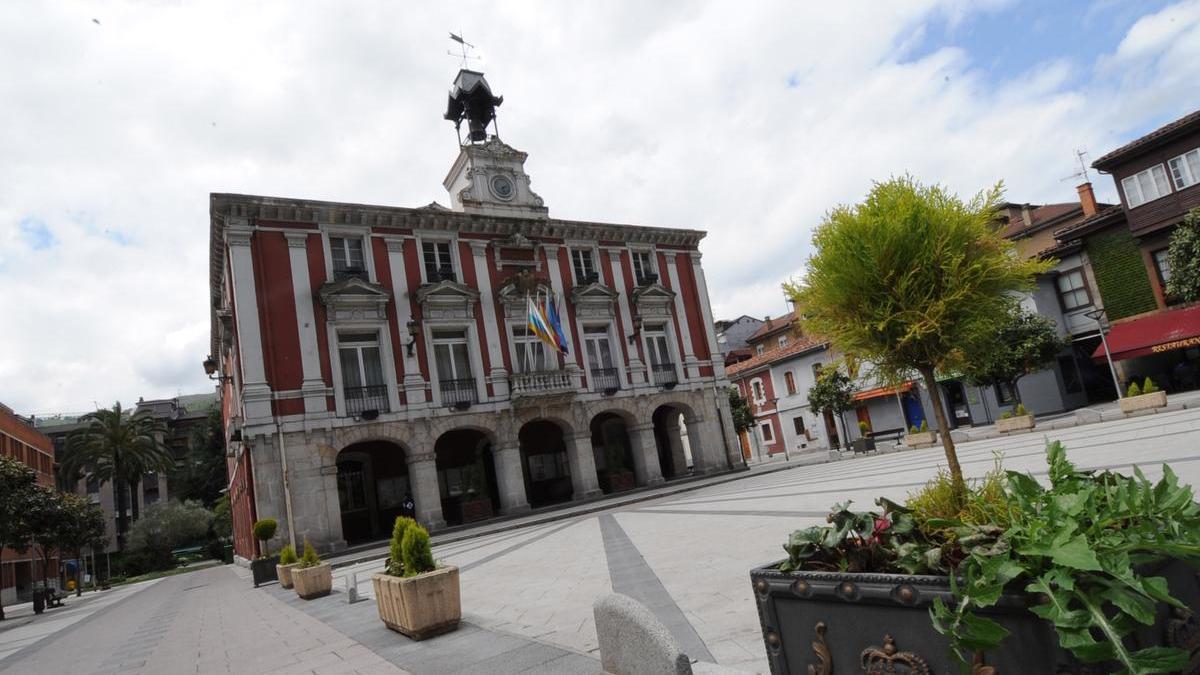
1120, 274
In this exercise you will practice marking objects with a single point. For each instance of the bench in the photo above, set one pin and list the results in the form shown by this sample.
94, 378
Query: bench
54, 597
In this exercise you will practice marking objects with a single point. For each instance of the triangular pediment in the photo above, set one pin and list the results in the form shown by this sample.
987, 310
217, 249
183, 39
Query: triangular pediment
593, 292
446, 291
653, 293
353, 289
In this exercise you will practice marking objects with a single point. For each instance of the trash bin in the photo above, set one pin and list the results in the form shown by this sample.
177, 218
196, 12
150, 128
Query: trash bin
39, 601
228, 556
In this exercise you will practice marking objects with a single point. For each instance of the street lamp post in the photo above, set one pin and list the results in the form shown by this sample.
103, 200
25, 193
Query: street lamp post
1095, 315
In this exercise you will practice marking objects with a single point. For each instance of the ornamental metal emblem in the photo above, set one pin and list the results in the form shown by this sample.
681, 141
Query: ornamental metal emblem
889, 659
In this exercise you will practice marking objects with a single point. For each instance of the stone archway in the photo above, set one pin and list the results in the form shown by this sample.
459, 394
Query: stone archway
372, 484
466, 473
613, 451
673, 439
545, 463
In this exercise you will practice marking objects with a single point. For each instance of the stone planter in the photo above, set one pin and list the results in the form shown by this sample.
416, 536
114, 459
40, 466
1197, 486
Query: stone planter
921, 439
422, 606
1009, 424
618, 481
1155, 399
833, 622
284, 573
476, 509
313, 582
263, 570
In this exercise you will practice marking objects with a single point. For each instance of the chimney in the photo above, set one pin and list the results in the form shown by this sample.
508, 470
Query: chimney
1087, 199
1025, 215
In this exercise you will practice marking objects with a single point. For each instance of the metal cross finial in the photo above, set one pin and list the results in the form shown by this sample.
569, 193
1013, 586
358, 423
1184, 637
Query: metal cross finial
463, 52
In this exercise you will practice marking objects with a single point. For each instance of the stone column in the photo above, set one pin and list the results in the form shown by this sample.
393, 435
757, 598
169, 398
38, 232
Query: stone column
414, 384
690, 363
422, 476
705, 440
510, 479
312, 386
729, 438
710, 331
675, 431
256, 394
637, 370
646, 466
583, 466
497, 375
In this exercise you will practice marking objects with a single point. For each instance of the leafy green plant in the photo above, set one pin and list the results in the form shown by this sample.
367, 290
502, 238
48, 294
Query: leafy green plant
924, 426
1020, 410
416, 552
1133, 390
863, 429
1081, 545
287, 555
395, 561
1148, 387
914, 430
1006, 415
263, 531
310, 557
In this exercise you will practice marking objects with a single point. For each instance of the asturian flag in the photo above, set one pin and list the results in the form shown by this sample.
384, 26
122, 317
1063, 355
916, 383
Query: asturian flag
555, 321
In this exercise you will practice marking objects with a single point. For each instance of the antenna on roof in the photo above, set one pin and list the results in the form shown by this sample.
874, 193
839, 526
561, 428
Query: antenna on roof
463, 52
1082, 173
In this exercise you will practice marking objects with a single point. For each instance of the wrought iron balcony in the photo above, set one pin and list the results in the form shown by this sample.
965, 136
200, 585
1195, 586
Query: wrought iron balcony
665, 375
540, 383
606, 379
363, 399
340, 273
459, 393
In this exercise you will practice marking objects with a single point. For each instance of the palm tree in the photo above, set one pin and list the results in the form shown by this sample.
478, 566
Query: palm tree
119, 446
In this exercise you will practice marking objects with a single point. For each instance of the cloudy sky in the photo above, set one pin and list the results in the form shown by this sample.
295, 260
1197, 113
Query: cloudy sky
748, 120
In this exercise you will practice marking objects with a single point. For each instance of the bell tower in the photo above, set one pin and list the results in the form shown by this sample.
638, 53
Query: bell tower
488, 177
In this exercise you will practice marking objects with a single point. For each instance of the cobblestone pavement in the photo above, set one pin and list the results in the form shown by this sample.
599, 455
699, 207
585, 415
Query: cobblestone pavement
209, 621
688, 556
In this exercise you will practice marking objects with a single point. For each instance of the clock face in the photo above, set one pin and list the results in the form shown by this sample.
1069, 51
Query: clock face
502, 187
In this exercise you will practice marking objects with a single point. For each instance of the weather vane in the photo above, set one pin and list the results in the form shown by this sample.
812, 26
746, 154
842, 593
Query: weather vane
464, 50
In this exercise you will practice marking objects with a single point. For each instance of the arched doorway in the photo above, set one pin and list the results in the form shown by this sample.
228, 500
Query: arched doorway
372, 480
672, 441
613, 452
466, 476
545, 463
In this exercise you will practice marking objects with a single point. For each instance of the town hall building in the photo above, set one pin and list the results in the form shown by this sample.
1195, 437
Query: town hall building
373, 356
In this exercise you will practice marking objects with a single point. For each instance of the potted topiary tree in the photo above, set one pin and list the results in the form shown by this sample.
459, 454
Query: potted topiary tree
262, 568
287, 561
920, 437
1146, 397
311, 577
414, 595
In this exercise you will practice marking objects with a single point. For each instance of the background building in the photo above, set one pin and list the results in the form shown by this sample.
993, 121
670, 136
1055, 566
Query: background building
369, 353
20, 572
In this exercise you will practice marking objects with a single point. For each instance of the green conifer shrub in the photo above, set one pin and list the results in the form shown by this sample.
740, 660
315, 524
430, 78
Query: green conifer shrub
310, 557
1020, 411
395, 563
287, 556
1134, 390
417, 555
924, 426
914, 430
1148, 387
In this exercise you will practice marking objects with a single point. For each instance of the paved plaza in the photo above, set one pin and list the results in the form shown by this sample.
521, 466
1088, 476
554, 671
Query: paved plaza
527, 592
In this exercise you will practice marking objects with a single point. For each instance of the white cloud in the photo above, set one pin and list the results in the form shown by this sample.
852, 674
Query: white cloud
673, 114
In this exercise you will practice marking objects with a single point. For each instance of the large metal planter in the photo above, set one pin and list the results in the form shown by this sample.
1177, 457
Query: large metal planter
263, 570
313, 582
421, 606
828, 623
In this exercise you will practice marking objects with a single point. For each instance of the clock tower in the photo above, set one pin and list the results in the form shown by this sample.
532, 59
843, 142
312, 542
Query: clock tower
488, 177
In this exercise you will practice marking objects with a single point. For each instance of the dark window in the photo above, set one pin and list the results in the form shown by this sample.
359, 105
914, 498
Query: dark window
768, 432
347, 257
1005, 393
439, 265
798, 423
1070, 375
1163, 265
584, 265
790, 381
1072, 290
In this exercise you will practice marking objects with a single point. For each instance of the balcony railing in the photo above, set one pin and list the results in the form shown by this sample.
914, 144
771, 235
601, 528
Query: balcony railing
540, 383
606, 379
460, 393
362, 399
340, 273
665, 374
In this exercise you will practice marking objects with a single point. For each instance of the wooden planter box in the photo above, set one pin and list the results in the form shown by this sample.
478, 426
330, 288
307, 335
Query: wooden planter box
422, 606
1010, 424
833, 622
1155, 399
476, 509
284, 573
313, 582
618, 481
921, 439
263, 570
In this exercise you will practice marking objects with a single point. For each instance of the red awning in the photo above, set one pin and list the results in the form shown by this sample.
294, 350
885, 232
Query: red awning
1154, 334
882, 391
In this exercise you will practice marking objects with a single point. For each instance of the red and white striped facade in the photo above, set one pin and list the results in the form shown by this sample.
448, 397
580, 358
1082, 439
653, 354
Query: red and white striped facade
285, 326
